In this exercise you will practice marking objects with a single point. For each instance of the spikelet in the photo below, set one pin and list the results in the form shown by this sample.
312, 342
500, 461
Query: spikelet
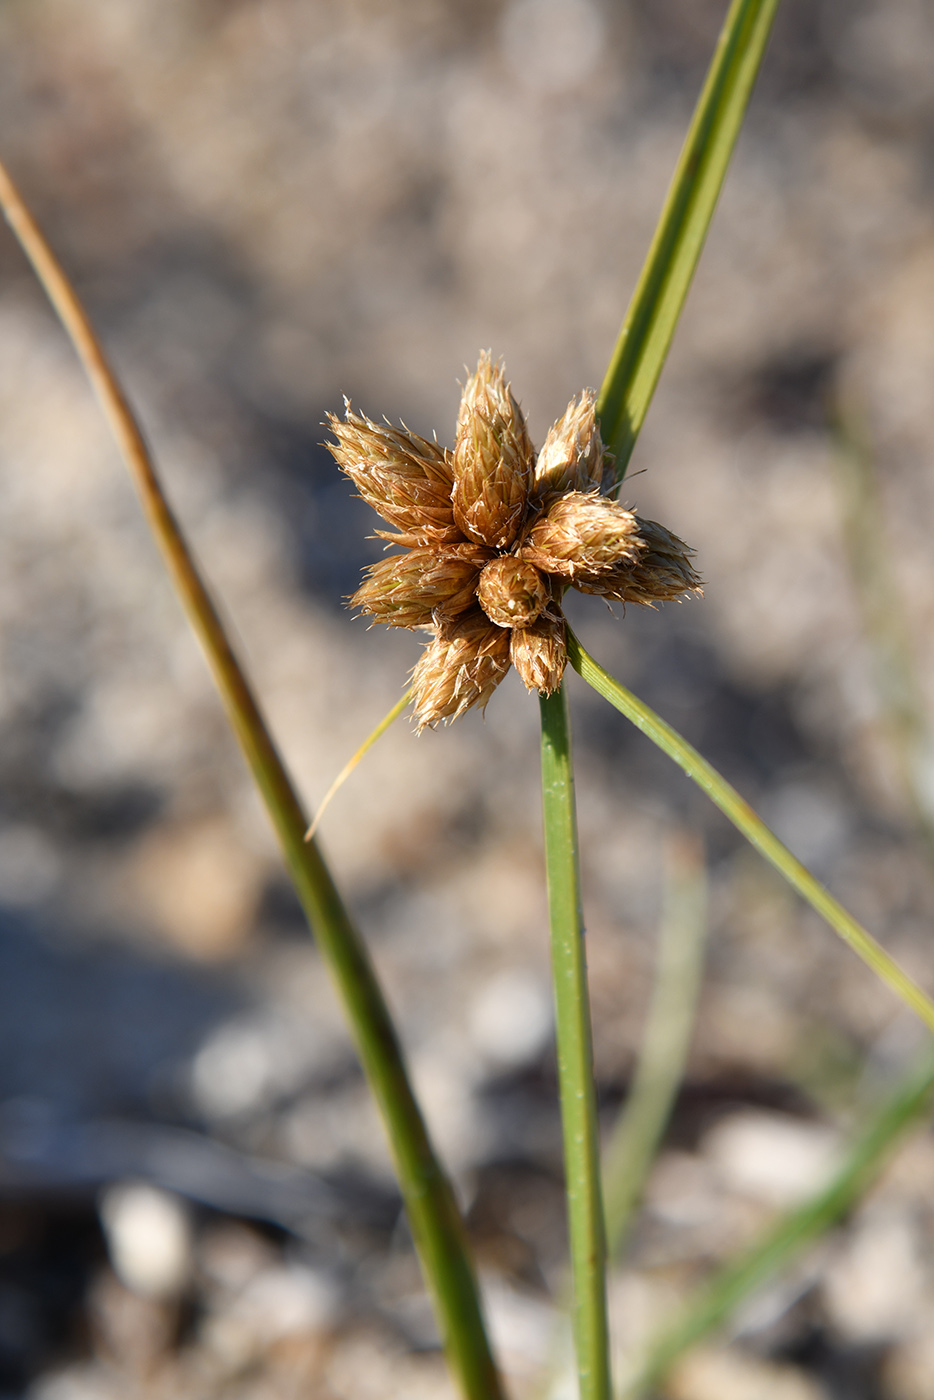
460, 668
405, 478
574, 457
582, 536
662, 572
493, 460
539, 653
420, 587
511, 591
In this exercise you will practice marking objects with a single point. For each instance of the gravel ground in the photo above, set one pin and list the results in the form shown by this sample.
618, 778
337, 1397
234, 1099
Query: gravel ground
267, 205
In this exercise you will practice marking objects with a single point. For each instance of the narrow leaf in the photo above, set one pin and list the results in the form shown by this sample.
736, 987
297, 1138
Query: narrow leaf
352, 762
731, 1285
754, 829
692, 197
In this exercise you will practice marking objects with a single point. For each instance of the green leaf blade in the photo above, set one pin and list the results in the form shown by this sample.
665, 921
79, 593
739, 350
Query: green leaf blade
751, 825
650, 322
722, 1294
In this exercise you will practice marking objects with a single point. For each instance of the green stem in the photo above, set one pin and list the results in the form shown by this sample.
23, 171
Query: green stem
717, 1299
692, 197
433, 1215
575, 1053
754, 829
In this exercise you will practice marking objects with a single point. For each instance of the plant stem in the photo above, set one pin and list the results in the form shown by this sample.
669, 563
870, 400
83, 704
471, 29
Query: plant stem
631, 1150
754, 829
433, 1215
689, 207
732, 1284
575, 1054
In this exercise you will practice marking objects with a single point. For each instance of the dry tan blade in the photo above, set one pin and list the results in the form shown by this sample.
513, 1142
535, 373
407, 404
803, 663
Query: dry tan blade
437, 1227
351, 764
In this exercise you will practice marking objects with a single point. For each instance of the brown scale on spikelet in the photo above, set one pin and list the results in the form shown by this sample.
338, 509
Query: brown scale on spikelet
460, 668
573, 457
661, 572
406, 479
421, 587
540, 653
493, 534
585, 535
493, 460
511, 591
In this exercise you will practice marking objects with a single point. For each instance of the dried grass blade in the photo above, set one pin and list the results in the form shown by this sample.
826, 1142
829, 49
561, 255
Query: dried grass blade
433, 1215
352, 762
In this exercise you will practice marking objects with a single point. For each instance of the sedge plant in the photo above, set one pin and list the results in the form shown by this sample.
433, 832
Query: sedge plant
490, 536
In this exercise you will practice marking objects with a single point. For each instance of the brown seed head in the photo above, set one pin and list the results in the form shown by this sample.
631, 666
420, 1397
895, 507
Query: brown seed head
574, 457
406, 478
539, 653
417, 588
493, 539
582, 536
511, 591
460, 668
493, 459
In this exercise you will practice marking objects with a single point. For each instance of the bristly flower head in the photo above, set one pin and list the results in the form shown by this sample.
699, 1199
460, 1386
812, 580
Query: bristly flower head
493, 533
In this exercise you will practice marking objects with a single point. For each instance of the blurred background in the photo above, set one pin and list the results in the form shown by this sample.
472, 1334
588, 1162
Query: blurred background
266, 205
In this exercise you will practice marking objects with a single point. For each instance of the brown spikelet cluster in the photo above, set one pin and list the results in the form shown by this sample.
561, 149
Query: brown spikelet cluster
493, 533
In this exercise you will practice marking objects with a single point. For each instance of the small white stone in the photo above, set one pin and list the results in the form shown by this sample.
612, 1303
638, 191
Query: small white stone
523, 1328
249, 1061
811, 822
510, 1019
148, 1234
771, 1157
285, 1301
876, 1289
445, 1091
89, 1382
712, 1374
232, 1071
683, 1190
